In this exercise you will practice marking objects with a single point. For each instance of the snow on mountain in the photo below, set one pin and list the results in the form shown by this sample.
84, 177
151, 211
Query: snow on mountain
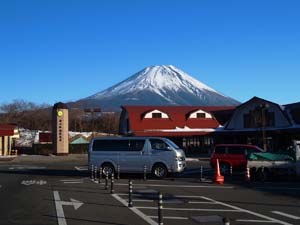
156, 79
158, 85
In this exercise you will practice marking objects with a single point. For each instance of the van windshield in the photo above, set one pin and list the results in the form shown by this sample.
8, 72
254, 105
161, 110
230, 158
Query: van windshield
172, 144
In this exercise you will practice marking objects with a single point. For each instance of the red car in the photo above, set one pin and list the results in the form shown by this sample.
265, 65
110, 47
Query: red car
232, 155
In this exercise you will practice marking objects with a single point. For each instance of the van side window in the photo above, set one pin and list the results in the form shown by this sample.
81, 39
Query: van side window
110, 145
136, 145
157, 144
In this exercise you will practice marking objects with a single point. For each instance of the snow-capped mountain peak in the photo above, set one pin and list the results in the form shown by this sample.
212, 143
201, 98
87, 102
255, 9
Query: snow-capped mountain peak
157, 79
158, 85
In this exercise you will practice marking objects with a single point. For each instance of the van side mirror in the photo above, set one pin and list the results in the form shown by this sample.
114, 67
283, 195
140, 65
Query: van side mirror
169, 148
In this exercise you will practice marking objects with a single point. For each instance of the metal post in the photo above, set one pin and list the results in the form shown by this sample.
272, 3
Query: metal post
100, 174
92, 172
160, 208
230, 170
112, 183
145, 172
130, 194
201, 173
106, 181
95, 173
226, 221
118, 172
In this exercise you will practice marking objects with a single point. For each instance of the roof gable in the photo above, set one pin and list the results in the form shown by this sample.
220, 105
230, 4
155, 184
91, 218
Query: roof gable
195, 114
248, 108
153, 112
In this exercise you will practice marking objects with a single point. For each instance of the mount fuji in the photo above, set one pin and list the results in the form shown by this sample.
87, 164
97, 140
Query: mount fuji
157, 85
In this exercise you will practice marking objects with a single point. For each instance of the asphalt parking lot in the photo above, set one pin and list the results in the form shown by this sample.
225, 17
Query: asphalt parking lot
58, 190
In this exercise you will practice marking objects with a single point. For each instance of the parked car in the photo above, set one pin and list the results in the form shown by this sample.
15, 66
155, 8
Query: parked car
131, 154
232, 155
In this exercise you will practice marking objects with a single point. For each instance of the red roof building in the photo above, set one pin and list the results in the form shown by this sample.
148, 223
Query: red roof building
186, 125
169, 120
7, 129
8, 134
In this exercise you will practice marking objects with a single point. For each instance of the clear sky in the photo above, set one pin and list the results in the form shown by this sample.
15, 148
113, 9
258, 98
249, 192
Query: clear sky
65, 50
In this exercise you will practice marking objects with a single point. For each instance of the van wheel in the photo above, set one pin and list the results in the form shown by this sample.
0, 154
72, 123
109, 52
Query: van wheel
224, 168
159, 171
108, 169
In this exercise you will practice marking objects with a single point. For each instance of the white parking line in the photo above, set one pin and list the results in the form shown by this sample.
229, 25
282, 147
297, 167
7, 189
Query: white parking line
27, 168
255, 221
181, 186
248, 211
171, 217
188, 209
286, 215
135, 210
265, 219
194, 202
72, 181
142, 200
80, 168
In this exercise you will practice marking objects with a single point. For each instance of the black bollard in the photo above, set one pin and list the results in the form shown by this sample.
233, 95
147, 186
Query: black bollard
118, 172
112, 183
130, 194
106, 182
231, 171
201, 173
92, 172
100, 174
95, 173
145, 172
226, 221
160, 209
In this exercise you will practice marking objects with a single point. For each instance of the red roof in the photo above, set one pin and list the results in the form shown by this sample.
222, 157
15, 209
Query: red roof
178, 123
7, 129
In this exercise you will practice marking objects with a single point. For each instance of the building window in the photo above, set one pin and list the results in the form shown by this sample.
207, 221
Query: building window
156, 115
200, 115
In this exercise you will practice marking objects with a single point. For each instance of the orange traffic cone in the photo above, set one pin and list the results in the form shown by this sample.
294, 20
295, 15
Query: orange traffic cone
247, 177
218, 179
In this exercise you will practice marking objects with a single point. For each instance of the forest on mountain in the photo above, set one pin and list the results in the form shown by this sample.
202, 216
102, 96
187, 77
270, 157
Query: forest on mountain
34, 116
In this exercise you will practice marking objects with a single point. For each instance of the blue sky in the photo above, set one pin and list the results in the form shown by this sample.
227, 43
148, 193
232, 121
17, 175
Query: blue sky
64, 50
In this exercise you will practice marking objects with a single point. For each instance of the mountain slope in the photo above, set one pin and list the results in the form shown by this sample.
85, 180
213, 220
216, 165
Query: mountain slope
157, 85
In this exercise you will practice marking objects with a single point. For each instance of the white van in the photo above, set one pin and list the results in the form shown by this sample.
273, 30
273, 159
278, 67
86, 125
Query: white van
131, 154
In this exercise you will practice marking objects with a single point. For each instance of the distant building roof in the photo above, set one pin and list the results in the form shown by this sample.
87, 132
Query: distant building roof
78, 139
7, 129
